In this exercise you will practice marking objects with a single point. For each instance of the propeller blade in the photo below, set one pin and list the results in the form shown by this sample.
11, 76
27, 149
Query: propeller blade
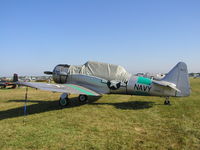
48, 72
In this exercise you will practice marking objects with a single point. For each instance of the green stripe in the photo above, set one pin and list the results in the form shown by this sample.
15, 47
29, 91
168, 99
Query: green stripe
142, 80
81, 90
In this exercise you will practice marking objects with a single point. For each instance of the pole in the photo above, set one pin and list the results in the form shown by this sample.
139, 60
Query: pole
25, 101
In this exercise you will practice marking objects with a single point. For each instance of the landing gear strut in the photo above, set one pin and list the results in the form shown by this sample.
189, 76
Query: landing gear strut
64, 100
167, 102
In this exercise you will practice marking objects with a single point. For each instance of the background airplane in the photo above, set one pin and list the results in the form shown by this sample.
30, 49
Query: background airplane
95, 79
7, 83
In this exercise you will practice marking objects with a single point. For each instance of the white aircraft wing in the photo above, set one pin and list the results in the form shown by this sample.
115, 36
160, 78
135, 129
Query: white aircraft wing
63, 88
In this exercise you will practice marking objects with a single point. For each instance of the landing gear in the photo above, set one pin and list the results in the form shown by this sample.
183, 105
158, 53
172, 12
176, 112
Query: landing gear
82, 98
64, 100
167, 102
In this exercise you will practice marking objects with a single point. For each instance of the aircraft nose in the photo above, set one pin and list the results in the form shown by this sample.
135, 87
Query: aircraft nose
60, 73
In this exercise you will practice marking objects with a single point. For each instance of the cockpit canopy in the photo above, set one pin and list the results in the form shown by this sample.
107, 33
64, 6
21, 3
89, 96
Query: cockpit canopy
97, 69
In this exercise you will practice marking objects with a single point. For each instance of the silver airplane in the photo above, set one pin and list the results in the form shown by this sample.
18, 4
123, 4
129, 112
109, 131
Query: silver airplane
96, 79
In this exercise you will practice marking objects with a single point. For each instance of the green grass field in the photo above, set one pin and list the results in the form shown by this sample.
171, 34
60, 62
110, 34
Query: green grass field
109, 122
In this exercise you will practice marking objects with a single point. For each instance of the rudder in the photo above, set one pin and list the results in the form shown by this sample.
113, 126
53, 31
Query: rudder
15, 77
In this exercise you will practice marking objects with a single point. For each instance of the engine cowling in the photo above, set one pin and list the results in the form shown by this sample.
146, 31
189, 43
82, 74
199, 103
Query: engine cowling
60, 73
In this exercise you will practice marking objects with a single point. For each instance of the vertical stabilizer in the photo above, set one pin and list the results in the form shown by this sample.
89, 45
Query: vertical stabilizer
179, 76
15, 77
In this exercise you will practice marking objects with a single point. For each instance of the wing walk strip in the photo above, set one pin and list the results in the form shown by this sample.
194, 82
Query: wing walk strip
80, 89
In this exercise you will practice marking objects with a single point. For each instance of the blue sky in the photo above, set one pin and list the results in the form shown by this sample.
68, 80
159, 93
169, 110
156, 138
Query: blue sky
141, 35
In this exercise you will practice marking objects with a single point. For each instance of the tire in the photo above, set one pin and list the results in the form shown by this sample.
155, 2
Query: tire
64, 100
82, 98
167, 102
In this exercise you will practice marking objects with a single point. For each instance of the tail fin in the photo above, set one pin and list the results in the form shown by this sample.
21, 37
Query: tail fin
179, 76
15, 77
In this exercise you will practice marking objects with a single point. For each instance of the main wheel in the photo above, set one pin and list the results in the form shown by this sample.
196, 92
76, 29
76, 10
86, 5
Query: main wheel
64, 100
167, 102
82, 98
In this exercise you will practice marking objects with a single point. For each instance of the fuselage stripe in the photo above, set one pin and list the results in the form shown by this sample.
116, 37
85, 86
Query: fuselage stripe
142, 80
81, 90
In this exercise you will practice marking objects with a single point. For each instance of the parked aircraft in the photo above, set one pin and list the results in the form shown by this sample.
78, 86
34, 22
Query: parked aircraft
95, 79
5, 83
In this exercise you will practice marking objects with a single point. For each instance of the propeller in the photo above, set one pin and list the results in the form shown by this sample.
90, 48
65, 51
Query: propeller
59, 73
48, 72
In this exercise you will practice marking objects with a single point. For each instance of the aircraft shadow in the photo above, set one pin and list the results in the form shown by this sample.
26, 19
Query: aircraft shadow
44, 106
39, 107
132, 105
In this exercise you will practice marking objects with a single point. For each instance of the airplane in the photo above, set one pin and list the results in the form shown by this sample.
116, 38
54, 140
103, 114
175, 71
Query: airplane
157, 76
96, 79
5, 83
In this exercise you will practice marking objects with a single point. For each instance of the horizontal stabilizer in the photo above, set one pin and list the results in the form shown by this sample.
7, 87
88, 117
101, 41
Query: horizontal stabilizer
167, 84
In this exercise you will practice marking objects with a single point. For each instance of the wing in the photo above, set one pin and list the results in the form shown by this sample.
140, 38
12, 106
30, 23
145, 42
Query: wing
63, 88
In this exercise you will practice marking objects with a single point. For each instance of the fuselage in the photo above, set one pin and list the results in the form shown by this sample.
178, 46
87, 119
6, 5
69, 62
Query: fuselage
135, 85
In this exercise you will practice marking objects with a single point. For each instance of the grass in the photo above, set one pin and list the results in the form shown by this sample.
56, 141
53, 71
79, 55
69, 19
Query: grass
108, 122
